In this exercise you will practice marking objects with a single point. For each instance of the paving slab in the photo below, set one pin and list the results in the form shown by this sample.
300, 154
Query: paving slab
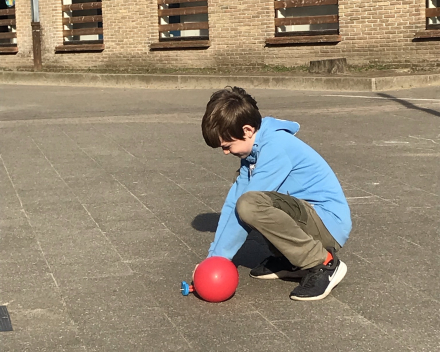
109, 198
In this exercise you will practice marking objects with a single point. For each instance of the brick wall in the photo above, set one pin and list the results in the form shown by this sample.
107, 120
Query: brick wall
371, 31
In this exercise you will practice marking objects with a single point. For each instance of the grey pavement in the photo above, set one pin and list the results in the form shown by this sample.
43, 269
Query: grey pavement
109, 197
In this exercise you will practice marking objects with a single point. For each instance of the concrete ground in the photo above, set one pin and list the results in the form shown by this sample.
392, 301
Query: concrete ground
109, 197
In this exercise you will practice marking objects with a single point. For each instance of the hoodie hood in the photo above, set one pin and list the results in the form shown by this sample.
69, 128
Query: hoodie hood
269, 125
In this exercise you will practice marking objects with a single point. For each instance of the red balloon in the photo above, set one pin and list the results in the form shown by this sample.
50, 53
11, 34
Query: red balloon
215, 279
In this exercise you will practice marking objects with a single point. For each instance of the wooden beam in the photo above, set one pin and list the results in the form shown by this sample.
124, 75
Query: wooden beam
288, 21
309, 33
181, 44
435, 27
435, 33
8, 35
82, 6
8, 22
304, 39
182, 11
7, 12
79, 48
183, 26
302, 3
433, 12
8, 49
82, 31
165, 2
82, 19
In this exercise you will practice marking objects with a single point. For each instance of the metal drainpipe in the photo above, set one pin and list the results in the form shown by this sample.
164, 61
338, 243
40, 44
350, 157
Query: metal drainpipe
36, 35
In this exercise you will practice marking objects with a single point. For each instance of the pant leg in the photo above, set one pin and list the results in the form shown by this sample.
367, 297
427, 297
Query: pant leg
289, 224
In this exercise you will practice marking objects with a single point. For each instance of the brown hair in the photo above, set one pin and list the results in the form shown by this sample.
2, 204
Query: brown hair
227, 112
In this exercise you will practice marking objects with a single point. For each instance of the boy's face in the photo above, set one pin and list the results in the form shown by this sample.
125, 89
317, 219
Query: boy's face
238, 147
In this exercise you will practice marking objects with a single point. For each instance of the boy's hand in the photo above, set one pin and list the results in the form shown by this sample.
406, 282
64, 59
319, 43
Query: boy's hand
194, 271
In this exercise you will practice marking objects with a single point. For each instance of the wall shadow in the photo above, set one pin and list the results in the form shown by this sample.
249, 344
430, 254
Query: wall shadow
409, 105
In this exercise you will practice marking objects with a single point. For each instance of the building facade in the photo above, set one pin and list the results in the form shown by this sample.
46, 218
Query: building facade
135, 34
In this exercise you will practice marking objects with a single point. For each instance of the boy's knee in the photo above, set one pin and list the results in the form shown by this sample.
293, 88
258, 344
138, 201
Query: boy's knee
248, 205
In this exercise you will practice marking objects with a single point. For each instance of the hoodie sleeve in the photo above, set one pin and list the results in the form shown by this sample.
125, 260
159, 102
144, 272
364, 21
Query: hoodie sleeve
272, 168
230, 234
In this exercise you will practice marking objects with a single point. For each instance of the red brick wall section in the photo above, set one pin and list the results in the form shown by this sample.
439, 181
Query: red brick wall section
371, 30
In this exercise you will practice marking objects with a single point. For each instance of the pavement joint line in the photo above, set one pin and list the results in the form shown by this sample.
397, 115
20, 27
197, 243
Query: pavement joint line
40, 248
28, 221
177, 329
426, 139
83, 205
270, 322
160, 173
403, 183
133, 195
392, 336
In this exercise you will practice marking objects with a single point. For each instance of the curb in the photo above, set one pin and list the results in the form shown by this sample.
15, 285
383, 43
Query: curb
153, 81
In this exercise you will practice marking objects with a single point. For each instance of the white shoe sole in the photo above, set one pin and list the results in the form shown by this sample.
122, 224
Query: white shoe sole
339, 275
281, 275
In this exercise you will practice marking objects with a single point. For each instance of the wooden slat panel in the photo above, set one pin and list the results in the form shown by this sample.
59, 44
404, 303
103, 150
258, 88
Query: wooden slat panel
288, 21
8, 22
82, 19
312, 32
183, 26
301, 3
304, 39
8, 49
7, 12
80, 47
83, 6
164, 2
8, 35
183, 11
82, 31
433, 12
181, 44
428, 34
433, 26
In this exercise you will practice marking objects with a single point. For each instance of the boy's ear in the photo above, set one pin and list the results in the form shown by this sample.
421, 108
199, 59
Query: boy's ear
248, 131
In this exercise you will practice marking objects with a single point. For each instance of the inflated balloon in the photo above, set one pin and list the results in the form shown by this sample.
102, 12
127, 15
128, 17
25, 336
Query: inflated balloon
215, 280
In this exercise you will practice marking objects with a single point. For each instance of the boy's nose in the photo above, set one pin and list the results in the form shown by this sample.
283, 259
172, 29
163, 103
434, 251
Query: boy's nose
226, 151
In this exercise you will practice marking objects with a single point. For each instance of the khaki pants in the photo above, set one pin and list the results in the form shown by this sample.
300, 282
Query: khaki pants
290, 225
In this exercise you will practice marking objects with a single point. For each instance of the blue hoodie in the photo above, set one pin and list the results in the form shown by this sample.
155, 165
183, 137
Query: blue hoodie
281, 162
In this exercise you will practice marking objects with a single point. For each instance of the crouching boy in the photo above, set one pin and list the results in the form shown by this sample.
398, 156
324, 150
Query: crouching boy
285, 190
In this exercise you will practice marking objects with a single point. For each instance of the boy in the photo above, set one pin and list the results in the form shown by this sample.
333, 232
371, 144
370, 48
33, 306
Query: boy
285, 190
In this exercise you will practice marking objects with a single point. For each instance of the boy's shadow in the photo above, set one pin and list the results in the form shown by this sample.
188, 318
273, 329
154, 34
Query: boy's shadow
254, 249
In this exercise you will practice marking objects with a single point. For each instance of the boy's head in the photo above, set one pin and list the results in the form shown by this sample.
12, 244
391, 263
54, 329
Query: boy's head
231, 115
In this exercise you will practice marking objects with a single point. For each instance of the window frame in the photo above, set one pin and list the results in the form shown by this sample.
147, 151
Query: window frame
181, 42
8, 48
431, 32
82, 45
304, 37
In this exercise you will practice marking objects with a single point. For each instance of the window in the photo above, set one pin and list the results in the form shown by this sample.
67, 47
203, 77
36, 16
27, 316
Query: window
432, 15
182, 24
8, 33
305, 21
82, 26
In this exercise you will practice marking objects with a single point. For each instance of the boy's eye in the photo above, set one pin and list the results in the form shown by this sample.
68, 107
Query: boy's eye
226, 147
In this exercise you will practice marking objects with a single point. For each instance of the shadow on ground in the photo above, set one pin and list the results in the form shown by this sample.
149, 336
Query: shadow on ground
409, 105
253, 251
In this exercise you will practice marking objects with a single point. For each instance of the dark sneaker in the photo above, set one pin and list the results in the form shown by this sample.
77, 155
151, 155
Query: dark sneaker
276, 268
320, 281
